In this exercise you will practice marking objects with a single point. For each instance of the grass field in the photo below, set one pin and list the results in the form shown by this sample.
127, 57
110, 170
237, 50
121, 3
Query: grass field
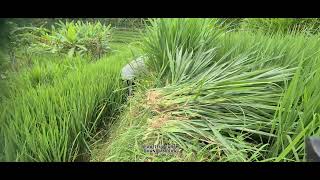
211, 94
57, 106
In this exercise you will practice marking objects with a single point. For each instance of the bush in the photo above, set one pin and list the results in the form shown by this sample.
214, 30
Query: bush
71, 38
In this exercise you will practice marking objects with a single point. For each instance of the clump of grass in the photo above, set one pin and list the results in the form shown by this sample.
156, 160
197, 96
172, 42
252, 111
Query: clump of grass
165, 36
227, 105
298, 114
57, 122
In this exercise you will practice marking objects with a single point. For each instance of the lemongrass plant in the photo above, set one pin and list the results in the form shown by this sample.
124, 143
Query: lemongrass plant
165, 36
227, 97
224, 103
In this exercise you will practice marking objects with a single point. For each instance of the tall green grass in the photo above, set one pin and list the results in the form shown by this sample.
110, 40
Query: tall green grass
126, 35
3, 87
225, 96
298, 113
58, 121
281, 25
4, 30
43, 70
165, 36
289, 49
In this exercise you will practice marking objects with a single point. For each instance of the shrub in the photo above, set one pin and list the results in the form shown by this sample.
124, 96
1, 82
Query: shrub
71, 38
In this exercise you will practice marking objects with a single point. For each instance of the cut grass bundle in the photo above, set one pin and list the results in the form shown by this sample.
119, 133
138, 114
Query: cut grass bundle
220, 111
57, 122
228, 106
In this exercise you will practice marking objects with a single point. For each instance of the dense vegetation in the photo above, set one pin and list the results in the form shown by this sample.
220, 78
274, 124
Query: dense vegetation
218, 89
4, 30
230, 97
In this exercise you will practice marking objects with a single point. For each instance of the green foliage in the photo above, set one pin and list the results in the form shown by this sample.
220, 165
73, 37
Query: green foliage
220, 89
281, 25
230, 23
132, 23
218, 101
245, 96
165, 36
4, 29
57, 107
298, 113
3, 86
71, 38
125, 35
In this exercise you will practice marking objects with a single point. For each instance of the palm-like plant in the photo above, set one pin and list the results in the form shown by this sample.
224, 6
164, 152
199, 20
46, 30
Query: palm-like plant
69, 38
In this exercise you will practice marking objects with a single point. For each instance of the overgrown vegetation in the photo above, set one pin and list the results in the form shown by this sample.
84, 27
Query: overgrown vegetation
231, 99
57, 106
218, 89
71, 38
281, 25
165, 37
4, 30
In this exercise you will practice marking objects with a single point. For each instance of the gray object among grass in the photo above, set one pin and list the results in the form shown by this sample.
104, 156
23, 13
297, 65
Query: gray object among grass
132, 70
